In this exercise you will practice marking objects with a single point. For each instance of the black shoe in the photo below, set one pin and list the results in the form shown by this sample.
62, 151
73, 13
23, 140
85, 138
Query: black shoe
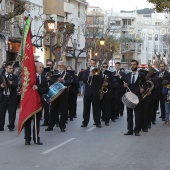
83, 125
128, 133
136, 133
153, 123
98, 126
71, 119
145, 130
1, 129
49, 129
11, 130
27, 142
94, 123
44, 124
113, 120
116, 117
38, 143
107, 124
63, 130
149, 126
66, 122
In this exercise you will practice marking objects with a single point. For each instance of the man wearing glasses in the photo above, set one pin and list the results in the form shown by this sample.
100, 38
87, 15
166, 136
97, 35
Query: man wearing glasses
134, 80
93, 84
107, 100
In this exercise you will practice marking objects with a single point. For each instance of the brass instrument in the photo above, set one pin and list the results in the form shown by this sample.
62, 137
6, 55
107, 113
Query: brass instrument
104, 88
95, 72
148, 91
5, 84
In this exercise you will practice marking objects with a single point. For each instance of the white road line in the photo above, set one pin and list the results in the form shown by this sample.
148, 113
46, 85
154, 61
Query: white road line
56, 147
91, 129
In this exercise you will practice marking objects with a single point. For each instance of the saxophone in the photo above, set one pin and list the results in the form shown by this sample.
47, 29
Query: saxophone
104, 88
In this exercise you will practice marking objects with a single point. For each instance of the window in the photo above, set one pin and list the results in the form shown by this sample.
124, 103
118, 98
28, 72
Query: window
160, 48
79, 10
156, 37
149, 37
156, 48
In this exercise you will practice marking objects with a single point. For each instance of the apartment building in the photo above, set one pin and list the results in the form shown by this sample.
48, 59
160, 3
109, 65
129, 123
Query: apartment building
10, 37
141, 35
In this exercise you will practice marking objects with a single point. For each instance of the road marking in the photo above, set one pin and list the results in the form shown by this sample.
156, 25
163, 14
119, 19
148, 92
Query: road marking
58, 146
91, 129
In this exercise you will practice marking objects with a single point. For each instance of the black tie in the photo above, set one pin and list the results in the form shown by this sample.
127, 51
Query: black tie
133, 78
38, 80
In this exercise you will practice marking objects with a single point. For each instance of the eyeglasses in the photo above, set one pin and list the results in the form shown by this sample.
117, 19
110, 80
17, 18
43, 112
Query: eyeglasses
105, 66
49, 65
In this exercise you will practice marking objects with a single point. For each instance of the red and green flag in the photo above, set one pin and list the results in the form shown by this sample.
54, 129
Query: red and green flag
30, 99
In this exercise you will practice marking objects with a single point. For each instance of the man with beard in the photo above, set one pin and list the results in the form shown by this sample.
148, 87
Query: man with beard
134, 80
163, 75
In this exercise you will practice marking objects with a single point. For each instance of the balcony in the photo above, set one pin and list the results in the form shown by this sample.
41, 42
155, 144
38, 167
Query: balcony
69, 8
131, 48
126, 27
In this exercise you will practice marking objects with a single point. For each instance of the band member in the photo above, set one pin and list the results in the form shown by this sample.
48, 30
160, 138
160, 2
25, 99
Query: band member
163, 75
133, 81
120, 90
107, 93
8, 97
50, 64
60, 105
42, 88
72, 94
93, 83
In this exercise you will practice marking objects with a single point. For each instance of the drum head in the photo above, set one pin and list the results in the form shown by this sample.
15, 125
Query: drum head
132, 97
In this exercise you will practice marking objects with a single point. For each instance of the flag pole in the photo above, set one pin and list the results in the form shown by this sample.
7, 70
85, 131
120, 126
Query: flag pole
35, 124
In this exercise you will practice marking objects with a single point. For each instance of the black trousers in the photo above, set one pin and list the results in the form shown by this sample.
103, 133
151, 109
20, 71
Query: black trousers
46, 111
28, 127
146, 114
106, 104
59, 106
114, 109
120, 105
95, 101
10, 104
162, 105
137, 113
72, 105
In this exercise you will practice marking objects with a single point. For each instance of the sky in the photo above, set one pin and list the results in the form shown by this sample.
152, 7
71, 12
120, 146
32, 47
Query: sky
118, 5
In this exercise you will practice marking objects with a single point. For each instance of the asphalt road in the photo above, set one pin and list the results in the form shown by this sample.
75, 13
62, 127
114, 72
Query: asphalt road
88, 148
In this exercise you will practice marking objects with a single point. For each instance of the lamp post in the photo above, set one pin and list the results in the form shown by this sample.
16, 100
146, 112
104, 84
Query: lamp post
102, 41
49, 26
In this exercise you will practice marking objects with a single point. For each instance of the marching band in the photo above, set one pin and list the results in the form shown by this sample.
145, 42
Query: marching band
108, 92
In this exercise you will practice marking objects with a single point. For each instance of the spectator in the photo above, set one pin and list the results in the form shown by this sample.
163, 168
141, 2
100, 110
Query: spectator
2, 69
81, 83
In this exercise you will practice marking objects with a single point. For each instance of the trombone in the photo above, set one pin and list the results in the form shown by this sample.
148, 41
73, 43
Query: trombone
95, 72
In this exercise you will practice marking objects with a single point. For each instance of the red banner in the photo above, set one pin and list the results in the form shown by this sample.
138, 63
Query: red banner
30, 99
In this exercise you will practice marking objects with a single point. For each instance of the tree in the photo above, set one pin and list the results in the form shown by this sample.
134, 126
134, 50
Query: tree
161, 5
19, 8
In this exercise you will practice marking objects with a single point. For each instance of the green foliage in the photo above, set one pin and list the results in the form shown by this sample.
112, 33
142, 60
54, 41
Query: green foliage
161, 5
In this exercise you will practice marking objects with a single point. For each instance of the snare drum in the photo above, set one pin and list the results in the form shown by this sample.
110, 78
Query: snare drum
130, 100
55, 91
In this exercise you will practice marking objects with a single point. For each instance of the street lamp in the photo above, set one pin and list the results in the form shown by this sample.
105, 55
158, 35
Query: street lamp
96, 54
102, 41
49, 26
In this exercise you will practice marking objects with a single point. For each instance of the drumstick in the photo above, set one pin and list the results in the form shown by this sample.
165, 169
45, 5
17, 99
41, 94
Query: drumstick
127, 86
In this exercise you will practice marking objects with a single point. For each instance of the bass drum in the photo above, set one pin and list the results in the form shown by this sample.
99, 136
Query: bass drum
130, 100
55, 91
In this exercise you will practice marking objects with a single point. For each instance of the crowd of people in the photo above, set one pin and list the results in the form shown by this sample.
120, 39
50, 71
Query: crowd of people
101, 88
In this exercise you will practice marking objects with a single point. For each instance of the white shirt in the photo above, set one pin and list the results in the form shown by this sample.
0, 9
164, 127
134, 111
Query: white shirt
136, 76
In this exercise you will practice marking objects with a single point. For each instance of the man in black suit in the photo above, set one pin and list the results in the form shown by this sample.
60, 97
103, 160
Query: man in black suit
120, 89
93, 84
134, 80
8, 96
60, 105
163, 75
106, 101
42, 88
72, 94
